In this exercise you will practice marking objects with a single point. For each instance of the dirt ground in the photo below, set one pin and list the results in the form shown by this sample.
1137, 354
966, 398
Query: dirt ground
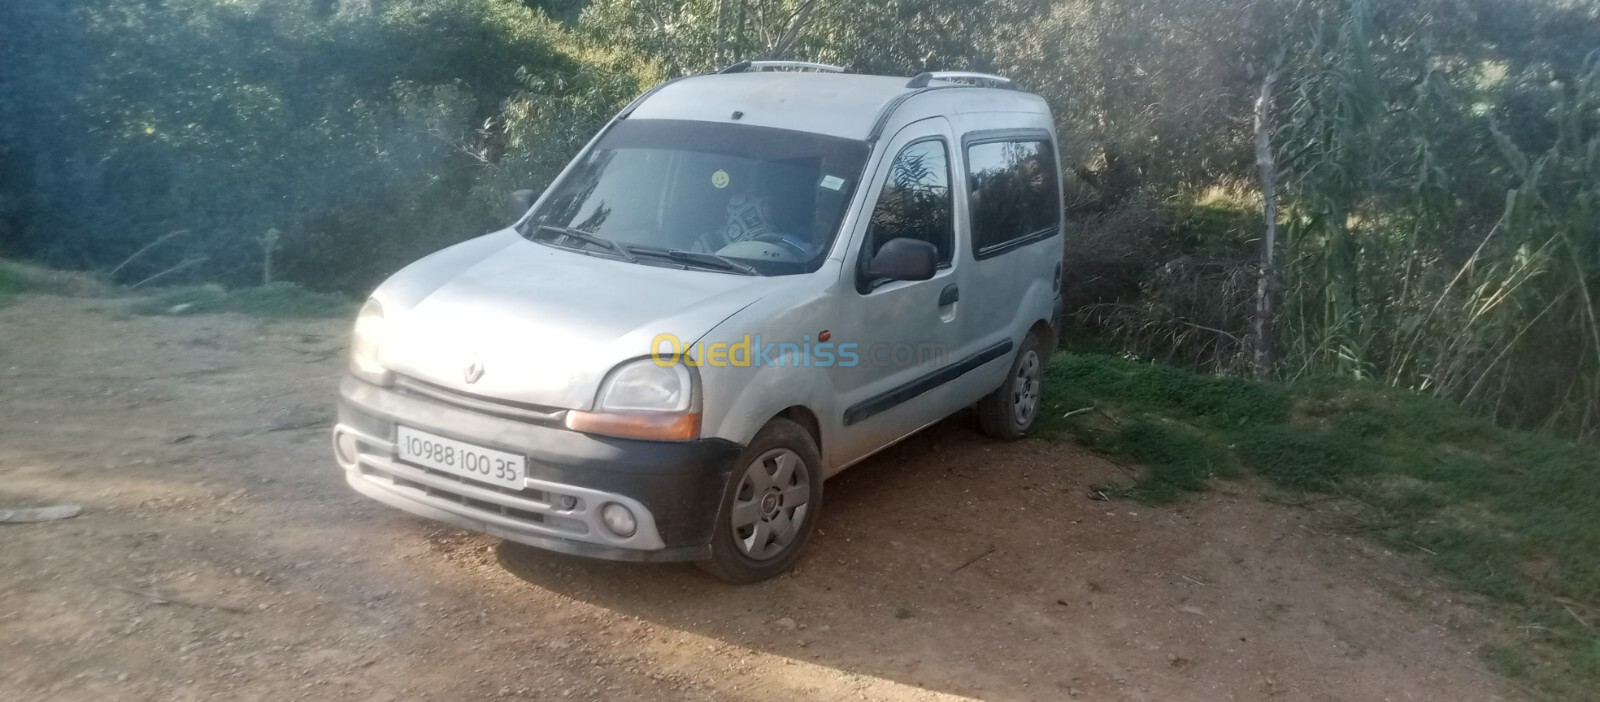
220, 556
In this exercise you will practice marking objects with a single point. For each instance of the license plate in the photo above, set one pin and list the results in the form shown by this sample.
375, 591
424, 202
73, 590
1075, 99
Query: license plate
461, 458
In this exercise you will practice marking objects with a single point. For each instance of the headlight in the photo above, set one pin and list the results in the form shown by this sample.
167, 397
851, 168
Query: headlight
643, 400
364, 341
645, 386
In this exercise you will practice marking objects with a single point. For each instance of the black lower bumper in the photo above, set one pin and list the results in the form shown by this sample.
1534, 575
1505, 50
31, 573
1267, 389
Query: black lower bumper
679, 484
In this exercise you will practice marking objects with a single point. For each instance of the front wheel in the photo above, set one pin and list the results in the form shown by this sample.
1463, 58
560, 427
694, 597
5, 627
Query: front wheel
770, 506
1009, 411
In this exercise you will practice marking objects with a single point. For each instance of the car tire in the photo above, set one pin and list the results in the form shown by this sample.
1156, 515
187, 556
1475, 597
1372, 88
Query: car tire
770, 506
1010, 411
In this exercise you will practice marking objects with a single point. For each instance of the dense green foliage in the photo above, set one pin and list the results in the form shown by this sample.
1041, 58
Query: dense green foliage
1512, 515
1440, 170
1439, 160
362, 135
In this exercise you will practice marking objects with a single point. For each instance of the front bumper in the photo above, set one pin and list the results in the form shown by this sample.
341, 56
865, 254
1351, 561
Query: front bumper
673, 488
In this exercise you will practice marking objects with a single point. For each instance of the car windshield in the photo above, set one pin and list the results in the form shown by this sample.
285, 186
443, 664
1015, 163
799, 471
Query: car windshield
761, 198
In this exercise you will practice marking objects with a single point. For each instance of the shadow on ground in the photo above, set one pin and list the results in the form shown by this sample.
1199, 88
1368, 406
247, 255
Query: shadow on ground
894, 528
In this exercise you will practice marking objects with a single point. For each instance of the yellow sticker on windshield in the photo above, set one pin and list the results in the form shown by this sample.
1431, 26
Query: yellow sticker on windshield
719, 180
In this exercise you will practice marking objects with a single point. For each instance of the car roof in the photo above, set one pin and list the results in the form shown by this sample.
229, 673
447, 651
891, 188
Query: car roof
847, 105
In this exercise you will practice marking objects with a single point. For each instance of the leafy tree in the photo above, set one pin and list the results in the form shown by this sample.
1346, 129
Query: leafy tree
1436, 157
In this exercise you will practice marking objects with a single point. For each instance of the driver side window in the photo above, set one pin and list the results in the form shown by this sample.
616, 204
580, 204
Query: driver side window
915, 201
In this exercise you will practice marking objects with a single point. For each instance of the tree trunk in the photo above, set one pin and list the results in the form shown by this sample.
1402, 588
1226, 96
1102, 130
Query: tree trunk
1267, 170
738, 37
716, 47
791, 32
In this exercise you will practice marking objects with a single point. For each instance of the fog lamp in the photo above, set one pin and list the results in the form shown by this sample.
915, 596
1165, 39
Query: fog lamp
344, 445
618, 519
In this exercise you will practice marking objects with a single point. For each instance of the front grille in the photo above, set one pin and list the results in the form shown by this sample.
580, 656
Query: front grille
503, 510
528, 507
530, 495
525, 412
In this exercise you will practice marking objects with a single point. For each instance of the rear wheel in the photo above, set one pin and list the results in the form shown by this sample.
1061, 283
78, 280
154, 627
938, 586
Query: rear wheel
770, 506
1009, 411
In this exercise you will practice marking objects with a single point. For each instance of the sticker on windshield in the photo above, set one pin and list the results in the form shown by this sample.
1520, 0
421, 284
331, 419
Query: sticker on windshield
719, 179
832, 182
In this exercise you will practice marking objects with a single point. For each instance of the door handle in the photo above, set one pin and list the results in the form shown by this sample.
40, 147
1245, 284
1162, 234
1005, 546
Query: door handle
949, 295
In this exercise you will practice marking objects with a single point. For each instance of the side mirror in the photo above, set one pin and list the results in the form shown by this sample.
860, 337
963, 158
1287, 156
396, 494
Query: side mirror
903, 259
518, 204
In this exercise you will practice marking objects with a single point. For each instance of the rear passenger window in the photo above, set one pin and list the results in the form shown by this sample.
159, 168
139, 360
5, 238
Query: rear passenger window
915, 201
1013, 193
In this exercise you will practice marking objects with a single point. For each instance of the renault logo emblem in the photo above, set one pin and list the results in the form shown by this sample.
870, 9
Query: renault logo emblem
473, 372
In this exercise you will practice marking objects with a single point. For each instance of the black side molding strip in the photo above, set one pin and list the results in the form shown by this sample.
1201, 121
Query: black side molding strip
885, 401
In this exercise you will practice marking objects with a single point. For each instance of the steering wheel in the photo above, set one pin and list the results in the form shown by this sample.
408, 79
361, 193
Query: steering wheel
782, 240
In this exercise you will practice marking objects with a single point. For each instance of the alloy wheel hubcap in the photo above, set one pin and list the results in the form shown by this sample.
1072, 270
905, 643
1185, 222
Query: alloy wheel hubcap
1025, 389
771, 503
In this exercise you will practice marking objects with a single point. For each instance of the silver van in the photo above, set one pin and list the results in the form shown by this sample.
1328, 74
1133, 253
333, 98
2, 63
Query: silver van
744, 284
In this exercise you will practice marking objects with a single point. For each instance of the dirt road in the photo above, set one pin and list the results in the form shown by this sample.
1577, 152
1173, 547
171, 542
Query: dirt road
220, 556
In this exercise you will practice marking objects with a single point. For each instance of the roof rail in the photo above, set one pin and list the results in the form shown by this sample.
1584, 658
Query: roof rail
987, 80
743, 66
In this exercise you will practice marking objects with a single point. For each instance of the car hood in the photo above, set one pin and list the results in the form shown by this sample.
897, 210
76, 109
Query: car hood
543, 325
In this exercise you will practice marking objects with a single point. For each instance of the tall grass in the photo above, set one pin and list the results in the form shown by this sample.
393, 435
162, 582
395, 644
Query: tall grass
1425, 245
1393, 276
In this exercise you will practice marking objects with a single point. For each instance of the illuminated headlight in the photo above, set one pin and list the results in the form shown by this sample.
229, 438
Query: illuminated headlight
618, 519
643, 399
364, 342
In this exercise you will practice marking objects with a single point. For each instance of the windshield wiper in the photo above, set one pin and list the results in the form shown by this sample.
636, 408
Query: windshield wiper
593, 239
709, 260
